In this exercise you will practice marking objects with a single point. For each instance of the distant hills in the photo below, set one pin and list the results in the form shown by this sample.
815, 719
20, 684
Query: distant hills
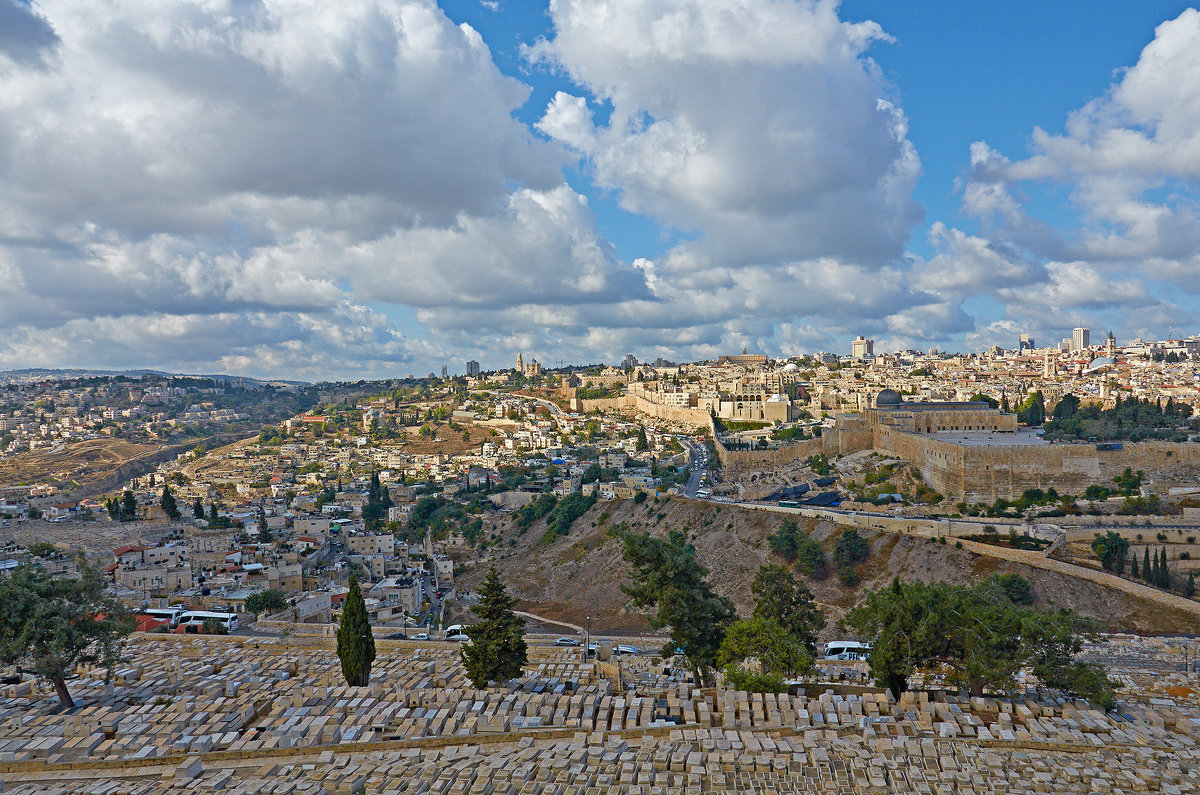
36, 373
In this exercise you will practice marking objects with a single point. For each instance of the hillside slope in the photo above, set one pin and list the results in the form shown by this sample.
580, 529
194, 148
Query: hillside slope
580, 574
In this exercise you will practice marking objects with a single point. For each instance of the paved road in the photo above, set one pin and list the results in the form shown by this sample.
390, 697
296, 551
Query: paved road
694, 450
554, 409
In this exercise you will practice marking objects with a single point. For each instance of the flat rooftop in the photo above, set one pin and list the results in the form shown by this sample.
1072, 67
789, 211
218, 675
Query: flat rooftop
940, 405
1023, 438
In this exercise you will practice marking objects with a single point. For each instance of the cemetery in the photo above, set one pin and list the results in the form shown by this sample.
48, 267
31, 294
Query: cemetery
201, 714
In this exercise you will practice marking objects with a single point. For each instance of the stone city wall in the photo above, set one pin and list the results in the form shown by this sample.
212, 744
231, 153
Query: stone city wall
982, 473
736, 462
690, 416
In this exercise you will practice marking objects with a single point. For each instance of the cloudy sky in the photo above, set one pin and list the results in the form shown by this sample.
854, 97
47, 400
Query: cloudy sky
372, 188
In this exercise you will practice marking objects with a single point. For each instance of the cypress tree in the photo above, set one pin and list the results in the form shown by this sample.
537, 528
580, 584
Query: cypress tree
128, 506
1147, 572
1165, 575
497, 650
167, 503
355, 643
264, 532
1191, 585
1133, 566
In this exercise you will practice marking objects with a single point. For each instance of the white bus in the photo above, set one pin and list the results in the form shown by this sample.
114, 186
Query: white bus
846, 650
169, 614
197, 618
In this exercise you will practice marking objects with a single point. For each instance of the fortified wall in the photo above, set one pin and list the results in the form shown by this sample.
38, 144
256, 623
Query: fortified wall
850, 435
690, 416
974, 453
976, 471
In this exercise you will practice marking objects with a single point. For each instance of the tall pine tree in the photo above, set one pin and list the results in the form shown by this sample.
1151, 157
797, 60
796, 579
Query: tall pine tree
1147, 572
497, 649
167, 503
378, 501
355, 643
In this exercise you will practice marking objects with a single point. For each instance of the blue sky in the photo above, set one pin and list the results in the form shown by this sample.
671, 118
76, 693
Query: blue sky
377, 187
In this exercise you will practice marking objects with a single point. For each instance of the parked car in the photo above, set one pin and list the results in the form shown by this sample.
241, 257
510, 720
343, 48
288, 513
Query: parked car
622, 649
397, 636
564, 641
421, 636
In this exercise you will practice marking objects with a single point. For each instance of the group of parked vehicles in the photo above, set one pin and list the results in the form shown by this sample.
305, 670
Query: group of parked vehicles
192, 621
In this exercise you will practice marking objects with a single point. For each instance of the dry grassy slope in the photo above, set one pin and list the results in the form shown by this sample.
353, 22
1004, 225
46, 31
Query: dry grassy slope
581, 574
88, 463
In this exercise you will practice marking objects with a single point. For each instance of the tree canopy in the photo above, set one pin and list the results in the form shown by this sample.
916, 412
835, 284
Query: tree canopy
268, 601
664, 574
496, 651
1032, 410
977, 637
355, 643
780, 597
378, 502
1111, 549
51, 624
167, 503
1131, 419
778, 652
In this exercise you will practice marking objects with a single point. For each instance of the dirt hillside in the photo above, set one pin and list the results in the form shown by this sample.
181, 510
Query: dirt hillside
580, 574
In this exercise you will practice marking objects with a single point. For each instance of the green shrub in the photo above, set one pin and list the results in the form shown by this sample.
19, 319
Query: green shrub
754, 682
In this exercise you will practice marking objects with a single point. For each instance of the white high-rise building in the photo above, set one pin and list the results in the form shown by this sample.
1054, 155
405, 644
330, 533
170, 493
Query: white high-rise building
1081, 339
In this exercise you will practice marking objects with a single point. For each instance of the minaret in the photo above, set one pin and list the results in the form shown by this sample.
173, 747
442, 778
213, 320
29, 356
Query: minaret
520, 365
1111, 344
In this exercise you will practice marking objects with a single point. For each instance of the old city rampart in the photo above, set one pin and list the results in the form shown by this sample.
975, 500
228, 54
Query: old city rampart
982, 472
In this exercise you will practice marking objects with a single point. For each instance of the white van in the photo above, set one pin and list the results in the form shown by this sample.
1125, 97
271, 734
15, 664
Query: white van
846, 650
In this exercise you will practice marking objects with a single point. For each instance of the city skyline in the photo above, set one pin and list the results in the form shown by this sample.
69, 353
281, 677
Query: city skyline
385, 186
